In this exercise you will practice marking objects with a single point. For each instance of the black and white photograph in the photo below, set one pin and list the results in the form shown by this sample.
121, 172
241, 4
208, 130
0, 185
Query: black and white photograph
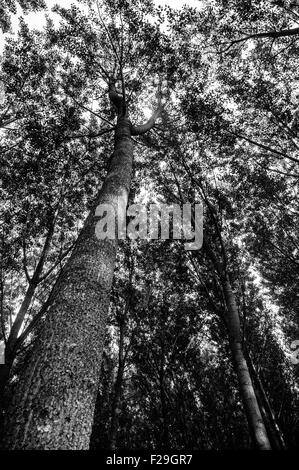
149, 216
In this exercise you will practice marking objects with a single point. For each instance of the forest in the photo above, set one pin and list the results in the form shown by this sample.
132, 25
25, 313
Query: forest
137, 342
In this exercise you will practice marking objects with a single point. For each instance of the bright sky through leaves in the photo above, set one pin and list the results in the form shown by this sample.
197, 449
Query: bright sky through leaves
37, 20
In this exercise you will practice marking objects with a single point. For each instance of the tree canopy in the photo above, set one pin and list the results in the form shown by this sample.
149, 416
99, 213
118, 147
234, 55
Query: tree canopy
155, 105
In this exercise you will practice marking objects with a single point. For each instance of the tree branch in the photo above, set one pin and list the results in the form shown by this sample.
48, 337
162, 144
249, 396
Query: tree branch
25, 261
263, 146
90, 136
266, 34
143, 128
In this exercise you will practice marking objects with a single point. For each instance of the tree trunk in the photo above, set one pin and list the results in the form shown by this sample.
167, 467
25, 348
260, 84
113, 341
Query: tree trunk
249, 398
54, 402
275, 431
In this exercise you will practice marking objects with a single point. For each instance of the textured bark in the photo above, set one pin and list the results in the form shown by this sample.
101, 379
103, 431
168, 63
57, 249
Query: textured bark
54, 402
253, 413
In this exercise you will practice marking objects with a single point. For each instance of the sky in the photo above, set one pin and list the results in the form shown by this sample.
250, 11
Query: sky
38, 21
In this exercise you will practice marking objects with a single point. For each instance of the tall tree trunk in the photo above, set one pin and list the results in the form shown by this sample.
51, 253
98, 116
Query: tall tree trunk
54, 402
270, 431
274, 428
253, 413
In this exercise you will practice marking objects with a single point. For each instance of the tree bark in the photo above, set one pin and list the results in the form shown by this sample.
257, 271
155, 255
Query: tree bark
275, 431
252, 410
54, 402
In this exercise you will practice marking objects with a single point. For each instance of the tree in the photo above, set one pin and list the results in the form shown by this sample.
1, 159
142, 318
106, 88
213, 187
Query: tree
64, 375
38, 220
190, 336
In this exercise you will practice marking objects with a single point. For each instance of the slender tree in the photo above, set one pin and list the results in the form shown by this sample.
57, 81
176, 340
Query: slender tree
54, 403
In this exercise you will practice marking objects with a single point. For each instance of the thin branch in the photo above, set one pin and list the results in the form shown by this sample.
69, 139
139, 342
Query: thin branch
104, 72
25, 264
291, 175
90, 136
285, 48
198, 277
90, 110
286, 255
263, 146
267, 34
108, 34
54, 266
